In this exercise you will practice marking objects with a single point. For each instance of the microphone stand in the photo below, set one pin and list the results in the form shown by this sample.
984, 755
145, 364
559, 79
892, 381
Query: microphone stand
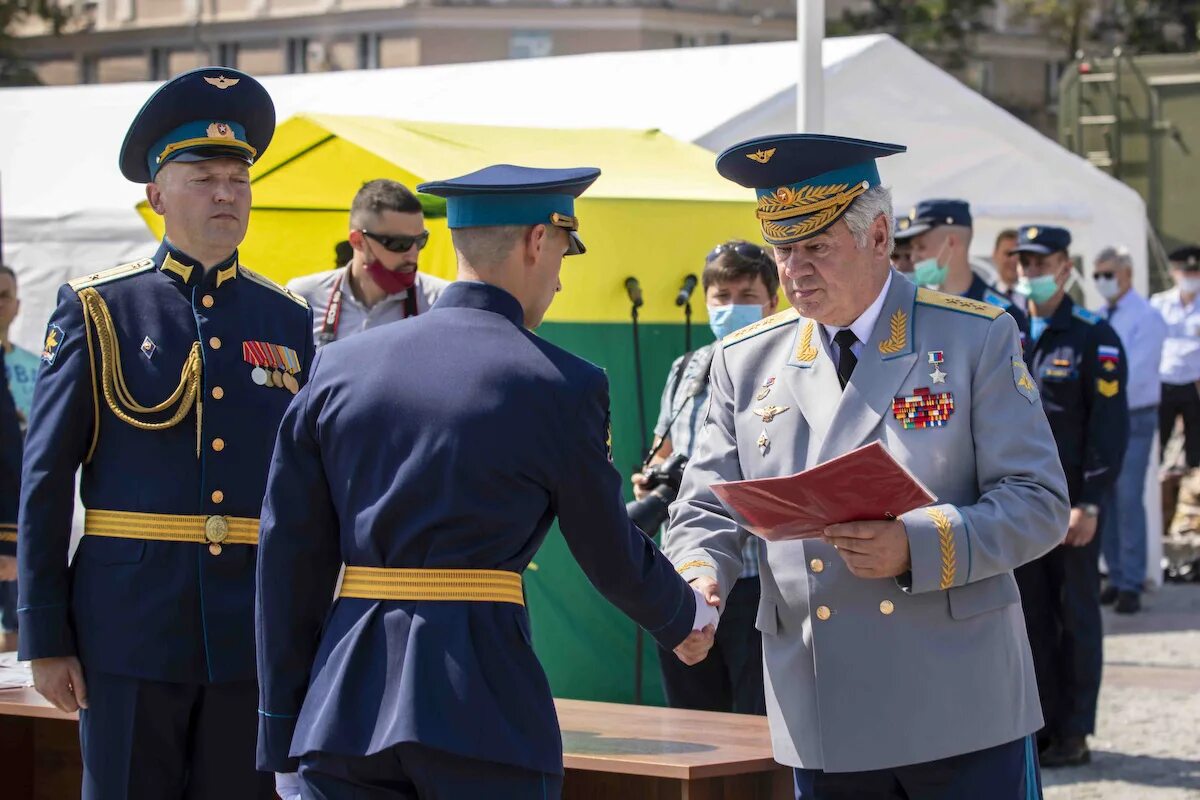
687, 327
635, 301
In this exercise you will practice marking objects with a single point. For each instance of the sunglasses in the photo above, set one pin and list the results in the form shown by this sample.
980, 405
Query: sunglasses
1101, 276
751, 252
398, 244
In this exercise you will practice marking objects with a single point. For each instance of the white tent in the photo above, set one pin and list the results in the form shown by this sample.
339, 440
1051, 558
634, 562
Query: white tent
67, 210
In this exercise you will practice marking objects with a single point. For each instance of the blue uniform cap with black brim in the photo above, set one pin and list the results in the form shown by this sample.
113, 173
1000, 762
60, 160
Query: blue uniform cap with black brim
211, 112
929, 214
1042, 240
804, 182
506, 194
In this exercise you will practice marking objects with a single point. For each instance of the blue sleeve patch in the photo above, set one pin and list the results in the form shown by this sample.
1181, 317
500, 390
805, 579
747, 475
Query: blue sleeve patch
1079, 312
997, 300
54, 340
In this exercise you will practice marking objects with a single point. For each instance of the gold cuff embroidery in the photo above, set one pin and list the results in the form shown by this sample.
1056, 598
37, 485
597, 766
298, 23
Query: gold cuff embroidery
945, 531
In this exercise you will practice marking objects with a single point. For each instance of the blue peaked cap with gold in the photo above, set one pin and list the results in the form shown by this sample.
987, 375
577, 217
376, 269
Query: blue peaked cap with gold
1042, 239
805, 182
211, 112
929, 214
506, 194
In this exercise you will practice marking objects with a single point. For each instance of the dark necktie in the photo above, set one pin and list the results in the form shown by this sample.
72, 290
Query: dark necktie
845, 339
1112, 310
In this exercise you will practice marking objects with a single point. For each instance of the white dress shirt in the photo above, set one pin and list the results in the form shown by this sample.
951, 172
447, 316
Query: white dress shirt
1181, 350
862, 327
317, 289
1142, 331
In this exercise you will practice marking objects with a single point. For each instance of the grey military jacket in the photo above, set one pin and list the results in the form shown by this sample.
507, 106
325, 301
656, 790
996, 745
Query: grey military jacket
866, 674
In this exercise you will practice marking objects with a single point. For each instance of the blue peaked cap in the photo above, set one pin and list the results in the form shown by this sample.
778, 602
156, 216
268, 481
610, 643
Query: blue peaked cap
1042, 239
929, 214
506, 194
804, 182
211, 112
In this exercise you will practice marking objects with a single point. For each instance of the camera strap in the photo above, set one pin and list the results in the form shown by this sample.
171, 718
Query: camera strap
695, 388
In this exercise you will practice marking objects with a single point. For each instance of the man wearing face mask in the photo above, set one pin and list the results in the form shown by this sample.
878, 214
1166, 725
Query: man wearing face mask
741, 287
1142, 330
381, 283
940, 236
1179, 371
1080, 368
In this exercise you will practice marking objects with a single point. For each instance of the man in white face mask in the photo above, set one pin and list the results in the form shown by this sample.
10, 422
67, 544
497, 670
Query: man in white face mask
1142, 330
741, 287
1080, 368
1179, 370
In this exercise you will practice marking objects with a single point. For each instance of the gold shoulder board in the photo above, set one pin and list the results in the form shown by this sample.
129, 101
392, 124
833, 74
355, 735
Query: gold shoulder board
755, 328
263, 280
928, 297
109, 275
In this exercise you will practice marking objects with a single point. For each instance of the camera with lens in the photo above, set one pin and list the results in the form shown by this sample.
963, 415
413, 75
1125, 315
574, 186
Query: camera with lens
663, 481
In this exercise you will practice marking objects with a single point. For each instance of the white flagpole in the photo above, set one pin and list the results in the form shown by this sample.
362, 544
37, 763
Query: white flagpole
810, 82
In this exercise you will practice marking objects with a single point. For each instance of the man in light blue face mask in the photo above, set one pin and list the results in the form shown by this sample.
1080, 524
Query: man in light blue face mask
741, 287
1081, 372
939, 233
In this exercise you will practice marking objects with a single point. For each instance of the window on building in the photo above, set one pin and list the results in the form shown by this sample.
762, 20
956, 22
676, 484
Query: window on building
368, 51
226, 55
1053, 74
297, 55
530, 44
160, 64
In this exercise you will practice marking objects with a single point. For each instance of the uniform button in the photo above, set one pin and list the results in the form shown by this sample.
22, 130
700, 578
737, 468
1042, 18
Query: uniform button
218, 445
217, 392
823, 613
214, 343
887, 607
207, 301
218, 496
817, 565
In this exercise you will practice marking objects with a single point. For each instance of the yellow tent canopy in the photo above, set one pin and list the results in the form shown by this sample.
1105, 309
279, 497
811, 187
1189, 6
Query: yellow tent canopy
657, 209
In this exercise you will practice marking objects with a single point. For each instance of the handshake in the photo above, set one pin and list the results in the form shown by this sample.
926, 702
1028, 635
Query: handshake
695, 647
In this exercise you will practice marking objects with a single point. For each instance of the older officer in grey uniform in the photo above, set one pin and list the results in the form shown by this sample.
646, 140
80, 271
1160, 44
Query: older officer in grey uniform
897, 663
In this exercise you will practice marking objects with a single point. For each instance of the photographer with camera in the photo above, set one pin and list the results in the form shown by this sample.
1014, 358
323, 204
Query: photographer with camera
741, 286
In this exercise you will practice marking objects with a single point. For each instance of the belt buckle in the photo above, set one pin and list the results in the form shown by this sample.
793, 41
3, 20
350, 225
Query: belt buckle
216, 531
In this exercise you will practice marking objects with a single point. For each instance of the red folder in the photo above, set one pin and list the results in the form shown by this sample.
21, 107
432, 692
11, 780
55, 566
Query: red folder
864, 484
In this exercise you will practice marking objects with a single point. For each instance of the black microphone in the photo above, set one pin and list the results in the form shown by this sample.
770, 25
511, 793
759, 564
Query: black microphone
685, 293
634, 290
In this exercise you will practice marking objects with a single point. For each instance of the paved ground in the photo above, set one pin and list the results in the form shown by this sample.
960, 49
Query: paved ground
1147, 743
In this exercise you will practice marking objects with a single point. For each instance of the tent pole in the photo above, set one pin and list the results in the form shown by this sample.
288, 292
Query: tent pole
810, 80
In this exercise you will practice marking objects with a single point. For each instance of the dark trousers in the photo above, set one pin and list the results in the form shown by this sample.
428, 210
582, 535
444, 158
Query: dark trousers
731, 677
1177, 399
1006, 772
170, 741
1060, 595
416, 772
8, 605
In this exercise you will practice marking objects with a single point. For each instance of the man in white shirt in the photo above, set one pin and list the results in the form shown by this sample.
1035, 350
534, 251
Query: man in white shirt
381, 283
1142, 331
1180, 367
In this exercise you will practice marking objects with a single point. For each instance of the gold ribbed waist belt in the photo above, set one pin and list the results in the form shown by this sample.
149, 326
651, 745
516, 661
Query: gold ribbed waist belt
214, 530
380, 583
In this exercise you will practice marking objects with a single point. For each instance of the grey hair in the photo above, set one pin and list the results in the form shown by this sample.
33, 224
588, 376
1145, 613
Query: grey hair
1118, 255
865, 209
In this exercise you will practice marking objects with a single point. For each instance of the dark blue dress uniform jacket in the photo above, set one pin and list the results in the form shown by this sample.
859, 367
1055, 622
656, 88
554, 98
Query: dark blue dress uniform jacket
984, 293
1084, 393
10, 467
460, 459
164, 611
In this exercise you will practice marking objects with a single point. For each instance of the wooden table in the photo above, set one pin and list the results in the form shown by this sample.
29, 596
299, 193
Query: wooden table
610, 751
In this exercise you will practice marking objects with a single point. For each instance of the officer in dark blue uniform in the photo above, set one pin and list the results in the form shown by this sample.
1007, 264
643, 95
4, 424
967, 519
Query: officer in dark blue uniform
166, 380
10, 472
421, 680
939, 232
1079, 365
